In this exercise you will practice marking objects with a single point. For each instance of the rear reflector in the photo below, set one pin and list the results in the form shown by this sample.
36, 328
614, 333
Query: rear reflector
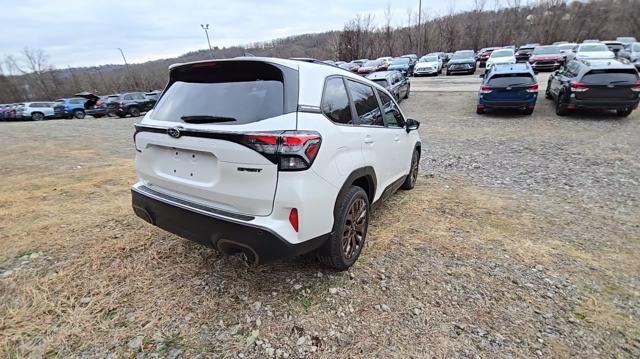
293, 218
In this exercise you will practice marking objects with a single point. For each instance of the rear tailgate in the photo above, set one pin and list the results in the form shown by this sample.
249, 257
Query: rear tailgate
511, 87
607, 85
207, 140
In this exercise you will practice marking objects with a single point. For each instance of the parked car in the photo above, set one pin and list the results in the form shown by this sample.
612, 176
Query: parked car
546, 58
428, 65
69, 108
607, 84
386, 59
462, 61
501, 56
413, 57
36, 111
626, 40
131, 103
394, 82
3, 111
152, 96
557, 43
591, 41
350, 66
567, 48
373, 66
591, 51
632, 53
524, 52
245, 157
9, 111
614, 46
94, 105
483, 55
402, 64
508, 86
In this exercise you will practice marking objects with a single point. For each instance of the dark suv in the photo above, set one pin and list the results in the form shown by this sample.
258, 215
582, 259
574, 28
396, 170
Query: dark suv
131, 103
394, 82
607, 84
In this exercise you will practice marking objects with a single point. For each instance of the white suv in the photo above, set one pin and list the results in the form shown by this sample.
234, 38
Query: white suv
272, 158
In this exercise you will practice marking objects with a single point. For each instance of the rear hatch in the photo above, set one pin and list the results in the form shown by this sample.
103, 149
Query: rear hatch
91, 99
213, 136
607, 85
516, 87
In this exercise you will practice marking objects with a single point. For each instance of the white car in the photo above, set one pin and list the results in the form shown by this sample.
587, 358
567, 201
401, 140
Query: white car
272, 158
428, 65
501, 56
35, 111
592, 51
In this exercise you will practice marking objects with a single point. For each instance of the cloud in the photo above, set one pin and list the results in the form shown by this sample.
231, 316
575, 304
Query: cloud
86, 33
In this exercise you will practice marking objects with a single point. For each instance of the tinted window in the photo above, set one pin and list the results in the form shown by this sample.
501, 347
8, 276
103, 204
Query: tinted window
127, 97
244, 91
593, 48
546, 50
390, 112
138, 96
505, 80
502, 53
34, 105
366, 104
335, 102
610, 77
635, 47
382, 82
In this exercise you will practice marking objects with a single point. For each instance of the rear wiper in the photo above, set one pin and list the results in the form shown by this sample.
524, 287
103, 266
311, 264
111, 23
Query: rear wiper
206, 119
518, 84
619, 81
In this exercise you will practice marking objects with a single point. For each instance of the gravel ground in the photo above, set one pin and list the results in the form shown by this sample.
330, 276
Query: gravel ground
520, 240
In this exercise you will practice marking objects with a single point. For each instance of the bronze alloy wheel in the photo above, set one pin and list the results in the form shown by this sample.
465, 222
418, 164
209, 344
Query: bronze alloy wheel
414, 167
355, 228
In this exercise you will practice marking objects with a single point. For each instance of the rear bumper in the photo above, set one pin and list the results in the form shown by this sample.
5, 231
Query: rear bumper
96, 111
212, 228
461, 70
545, 67
609, 104
518, 104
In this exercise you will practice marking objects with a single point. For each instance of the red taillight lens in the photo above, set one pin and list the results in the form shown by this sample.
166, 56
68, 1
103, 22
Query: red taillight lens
577, 86
292, 150
293, 218
636, 87
485, 89
98, 104
533, 88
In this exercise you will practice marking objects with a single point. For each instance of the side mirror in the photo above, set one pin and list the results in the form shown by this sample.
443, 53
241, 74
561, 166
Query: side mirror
412, 125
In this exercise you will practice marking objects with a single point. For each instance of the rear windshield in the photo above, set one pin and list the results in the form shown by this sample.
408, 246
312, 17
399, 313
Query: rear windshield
382, 82
635, 47
400, 61
507, 80
230, 93
606, 77
502, 53
593, 48
372, 63
462, 55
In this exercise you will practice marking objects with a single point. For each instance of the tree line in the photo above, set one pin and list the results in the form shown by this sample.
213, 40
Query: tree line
30, 76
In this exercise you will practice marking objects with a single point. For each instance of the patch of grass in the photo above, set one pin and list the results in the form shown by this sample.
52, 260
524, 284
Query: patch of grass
24, 253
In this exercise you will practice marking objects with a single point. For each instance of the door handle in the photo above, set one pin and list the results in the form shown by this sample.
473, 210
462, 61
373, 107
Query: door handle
368, 140
397, 139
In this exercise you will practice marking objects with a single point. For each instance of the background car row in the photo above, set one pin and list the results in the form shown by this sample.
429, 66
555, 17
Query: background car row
82, 104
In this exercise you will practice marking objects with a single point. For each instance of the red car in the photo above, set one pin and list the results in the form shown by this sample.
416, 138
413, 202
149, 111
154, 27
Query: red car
373, 66
546, 58
484, 55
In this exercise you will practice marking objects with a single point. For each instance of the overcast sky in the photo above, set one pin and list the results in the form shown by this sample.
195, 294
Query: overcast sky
86, 33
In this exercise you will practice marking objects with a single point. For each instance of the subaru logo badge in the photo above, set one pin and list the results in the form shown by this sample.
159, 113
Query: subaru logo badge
611, 86
508, 88
174, 132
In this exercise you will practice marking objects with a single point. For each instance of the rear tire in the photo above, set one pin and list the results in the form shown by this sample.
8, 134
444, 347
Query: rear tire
528, 111
624, 113
407, 94
351, 222
547, 93
134, 112
561, 108
479, 110
37, 116
79, 114
412, 177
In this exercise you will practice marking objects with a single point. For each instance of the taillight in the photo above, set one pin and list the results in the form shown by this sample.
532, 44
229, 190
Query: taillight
98, 104
293, 219
291, 150
636, 87
577, 86
485, 89
533, 88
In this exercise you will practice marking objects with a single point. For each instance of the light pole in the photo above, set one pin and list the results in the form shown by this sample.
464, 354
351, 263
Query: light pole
419, 25
205, 27
126, 64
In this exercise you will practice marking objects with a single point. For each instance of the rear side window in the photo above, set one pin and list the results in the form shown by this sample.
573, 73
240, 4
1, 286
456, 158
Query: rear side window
335, 102
382, 82
230, 92
506, 80
606, 77
366, 104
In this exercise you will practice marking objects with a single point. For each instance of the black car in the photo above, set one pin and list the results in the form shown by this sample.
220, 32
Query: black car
402, 64
398, 85
462, 61
95, 106
606, 84
614, 46
131, 103
524, 52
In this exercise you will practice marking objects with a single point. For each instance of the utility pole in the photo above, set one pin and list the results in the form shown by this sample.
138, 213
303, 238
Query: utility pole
205, 27
126, 64
420, 26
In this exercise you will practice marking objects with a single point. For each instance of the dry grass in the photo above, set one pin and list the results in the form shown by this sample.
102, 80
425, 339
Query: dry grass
110, 276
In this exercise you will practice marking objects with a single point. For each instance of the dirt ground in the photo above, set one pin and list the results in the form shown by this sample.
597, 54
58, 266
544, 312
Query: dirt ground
521, 239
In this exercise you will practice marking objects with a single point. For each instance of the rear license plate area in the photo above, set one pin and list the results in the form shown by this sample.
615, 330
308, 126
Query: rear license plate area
183, 164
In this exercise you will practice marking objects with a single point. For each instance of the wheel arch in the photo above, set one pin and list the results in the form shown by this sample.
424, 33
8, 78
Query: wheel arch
365, 178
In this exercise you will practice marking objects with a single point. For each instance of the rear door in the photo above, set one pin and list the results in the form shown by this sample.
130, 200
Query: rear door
397, 135
210, 138
608, 85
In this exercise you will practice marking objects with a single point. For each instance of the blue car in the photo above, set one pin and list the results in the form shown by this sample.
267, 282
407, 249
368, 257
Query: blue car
69, 108
508, 86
